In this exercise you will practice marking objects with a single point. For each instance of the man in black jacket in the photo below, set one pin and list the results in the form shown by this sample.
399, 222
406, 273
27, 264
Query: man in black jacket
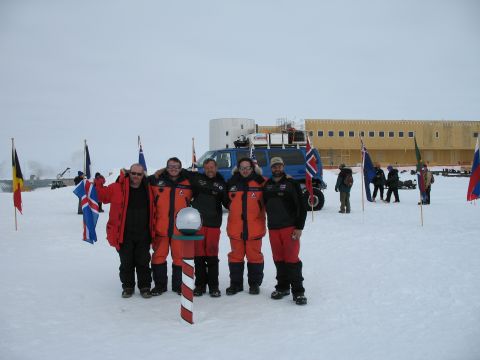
392, 183
208, 195
378, 181
286, 213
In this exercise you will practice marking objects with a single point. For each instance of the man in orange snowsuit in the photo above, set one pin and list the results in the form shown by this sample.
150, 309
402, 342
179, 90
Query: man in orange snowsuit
173, 193
245, 226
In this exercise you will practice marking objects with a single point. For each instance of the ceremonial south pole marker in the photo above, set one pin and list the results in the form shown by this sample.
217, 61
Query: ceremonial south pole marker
188, 222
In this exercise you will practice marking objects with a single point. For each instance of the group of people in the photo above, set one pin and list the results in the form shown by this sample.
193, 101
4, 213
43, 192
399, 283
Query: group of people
345, 181
142, 216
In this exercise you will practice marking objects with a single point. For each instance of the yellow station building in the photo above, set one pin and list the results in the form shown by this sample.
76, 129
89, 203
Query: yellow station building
444, 143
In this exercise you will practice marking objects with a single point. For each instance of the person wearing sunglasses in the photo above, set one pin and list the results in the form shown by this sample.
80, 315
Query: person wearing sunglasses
173, 193
130, 227
245, 226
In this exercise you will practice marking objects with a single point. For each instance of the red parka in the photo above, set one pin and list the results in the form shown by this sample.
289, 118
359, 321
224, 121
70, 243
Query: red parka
117, 194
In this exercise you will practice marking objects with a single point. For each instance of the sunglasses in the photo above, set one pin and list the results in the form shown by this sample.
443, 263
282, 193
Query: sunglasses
135, 173
174, 167
245, 168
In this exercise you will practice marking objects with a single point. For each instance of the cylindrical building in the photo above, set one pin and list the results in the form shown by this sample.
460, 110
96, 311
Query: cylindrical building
224, 131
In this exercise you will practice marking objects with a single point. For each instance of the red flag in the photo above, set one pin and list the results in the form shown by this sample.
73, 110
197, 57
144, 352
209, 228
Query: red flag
17, 181
311, 169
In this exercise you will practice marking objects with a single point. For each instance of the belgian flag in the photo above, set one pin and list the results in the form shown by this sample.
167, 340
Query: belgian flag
17, 181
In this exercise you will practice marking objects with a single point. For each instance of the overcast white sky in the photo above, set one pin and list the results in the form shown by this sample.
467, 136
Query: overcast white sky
107, 71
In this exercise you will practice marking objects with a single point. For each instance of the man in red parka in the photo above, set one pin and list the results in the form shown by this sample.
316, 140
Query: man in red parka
130, 227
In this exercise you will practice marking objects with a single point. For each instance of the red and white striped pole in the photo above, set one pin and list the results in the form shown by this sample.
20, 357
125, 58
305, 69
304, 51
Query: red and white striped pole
188, 222
188, 273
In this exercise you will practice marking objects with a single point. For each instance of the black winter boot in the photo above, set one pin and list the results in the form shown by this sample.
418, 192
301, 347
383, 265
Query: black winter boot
212, 273
159, 272
296, 279
177, 279
255, 277
255, 274
282, 277
236, 278
200, 276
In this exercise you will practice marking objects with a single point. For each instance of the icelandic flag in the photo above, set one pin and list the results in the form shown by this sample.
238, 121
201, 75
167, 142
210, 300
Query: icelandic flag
474, 183
87, 194
368, 171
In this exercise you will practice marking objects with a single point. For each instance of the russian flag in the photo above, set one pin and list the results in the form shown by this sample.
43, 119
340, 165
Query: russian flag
474, 184
87, 193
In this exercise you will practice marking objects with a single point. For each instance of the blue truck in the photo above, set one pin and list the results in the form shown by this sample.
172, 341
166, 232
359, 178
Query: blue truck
294, 158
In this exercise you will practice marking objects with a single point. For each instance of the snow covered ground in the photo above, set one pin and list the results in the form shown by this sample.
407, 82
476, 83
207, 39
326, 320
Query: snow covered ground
379, 286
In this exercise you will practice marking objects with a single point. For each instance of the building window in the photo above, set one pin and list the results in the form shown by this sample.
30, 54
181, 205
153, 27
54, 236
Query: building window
411, 134
320, 133
226, 133
330, 133
371, 134
475, 134
226, 146
381, 134
437, 135
241, 127
351, 133
341, 133
361, 133
400, 134
310, 133
391, 134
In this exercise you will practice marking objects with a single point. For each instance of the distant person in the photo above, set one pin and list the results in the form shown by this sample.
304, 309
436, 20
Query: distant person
245, 226
286, 214
392, 183
130, 227
344, 185
378, 181
99, 181
77, 180
173, 192
429, 180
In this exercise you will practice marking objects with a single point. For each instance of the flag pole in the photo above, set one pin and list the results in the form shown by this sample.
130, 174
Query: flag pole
421, 207
361, 175
13, 184
85, 157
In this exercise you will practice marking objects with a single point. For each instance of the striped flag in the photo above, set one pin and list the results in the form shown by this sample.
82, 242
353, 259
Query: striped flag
474, 183
17, 180
311, 169
87, 194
